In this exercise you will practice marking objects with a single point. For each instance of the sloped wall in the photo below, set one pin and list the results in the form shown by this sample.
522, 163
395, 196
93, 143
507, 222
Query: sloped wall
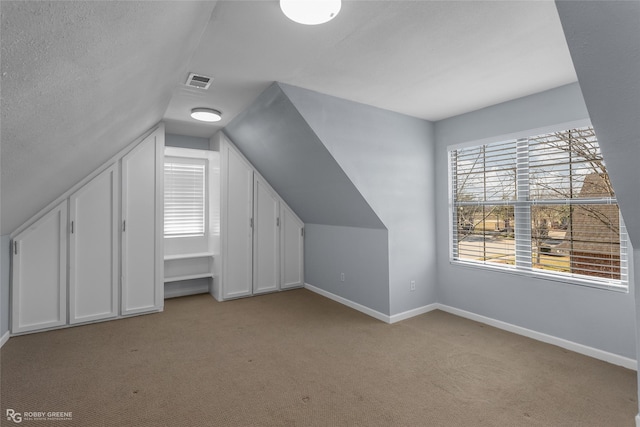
273, 136
390, 159
342, 164
604, 41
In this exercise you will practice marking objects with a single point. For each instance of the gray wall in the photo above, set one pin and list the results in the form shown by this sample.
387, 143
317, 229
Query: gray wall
183, 141
390, 159
340, 163
606, 57
360, 253
597, 318
280, 144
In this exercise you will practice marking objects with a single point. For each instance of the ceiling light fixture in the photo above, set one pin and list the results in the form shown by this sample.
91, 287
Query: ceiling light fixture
310, 12
206, 114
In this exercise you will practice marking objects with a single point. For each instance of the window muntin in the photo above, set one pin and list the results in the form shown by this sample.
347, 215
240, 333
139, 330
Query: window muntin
184, 197
542, 205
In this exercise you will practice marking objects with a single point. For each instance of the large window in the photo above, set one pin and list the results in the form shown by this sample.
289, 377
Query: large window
542, 205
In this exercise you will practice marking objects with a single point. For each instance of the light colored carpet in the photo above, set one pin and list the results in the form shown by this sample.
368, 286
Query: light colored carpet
298, 359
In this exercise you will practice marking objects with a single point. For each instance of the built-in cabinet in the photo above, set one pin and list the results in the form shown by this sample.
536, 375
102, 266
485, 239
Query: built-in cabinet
110, 226
262, 239
97, 252
266, 238
236, 275
291, 249
142, 197
93, 249
39, 270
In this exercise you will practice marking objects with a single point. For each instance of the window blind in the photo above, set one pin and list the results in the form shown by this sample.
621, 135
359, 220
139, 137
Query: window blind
484, 190
542, 205
184, 197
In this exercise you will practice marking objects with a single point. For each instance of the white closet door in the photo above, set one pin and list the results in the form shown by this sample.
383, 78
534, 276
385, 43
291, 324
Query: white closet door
266, 243
39, 285
237, 259
141, 201
292, 249
93, 273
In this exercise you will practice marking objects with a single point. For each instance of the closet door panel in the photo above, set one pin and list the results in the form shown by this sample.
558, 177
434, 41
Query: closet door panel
292, 250
39, 269
93, 270
139, 228
238, 246
266, 248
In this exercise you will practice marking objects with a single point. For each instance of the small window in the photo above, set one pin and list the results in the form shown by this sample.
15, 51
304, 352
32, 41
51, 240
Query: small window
542, 205
184, 197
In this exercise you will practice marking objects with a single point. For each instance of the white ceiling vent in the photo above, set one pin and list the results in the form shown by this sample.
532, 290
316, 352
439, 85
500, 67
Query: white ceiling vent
199, 81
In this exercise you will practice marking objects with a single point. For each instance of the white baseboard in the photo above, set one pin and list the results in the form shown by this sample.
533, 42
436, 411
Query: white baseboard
361, 308
4, 339
549, 339
373, 313
539, 336
415, 312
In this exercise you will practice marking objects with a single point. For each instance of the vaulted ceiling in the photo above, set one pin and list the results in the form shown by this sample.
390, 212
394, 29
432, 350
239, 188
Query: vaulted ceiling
80, 80
426, 59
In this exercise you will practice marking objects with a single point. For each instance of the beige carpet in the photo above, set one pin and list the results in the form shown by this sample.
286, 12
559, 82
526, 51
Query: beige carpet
297, 359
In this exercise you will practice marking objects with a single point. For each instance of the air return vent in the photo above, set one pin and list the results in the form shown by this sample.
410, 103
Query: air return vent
199, 81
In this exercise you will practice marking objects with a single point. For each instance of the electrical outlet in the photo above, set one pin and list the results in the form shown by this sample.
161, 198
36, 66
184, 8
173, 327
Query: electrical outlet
342, 277
412, 286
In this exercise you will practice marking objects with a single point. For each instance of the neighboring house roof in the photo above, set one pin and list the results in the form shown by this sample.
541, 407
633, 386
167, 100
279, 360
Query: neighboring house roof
594, 228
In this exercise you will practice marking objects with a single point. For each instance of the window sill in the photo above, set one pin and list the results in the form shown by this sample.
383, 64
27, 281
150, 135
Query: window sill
616, 286
186, 256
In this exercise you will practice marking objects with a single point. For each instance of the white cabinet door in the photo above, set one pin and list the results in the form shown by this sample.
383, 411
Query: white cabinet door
266, 238
292, 249
93, 266
39, 285
142, 282
237, 236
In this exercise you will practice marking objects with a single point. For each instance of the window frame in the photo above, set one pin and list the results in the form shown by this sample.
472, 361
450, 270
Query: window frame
191, 161
193, 244
621, 285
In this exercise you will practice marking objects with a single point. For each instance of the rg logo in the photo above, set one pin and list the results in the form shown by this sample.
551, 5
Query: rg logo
14, 416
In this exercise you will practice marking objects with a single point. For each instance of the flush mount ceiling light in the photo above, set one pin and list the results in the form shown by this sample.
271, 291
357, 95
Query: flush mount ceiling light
206, 114
310, 12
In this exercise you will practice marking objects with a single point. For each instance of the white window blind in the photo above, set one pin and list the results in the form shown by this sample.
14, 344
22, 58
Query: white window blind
184, 197
542, 205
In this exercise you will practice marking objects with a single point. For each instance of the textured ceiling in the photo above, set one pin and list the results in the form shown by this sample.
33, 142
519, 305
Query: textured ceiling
81, 80
426, 59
